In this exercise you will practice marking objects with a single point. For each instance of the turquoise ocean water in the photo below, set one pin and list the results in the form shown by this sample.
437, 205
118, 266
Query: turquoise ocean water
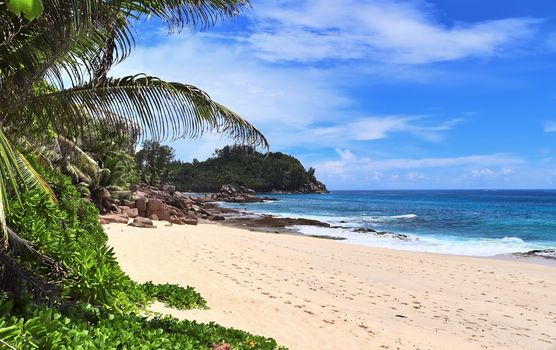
479, 223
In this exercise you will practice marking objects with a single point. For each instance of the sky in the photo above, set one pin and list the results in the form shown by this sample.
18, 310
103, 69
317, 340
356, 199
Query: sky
380, 94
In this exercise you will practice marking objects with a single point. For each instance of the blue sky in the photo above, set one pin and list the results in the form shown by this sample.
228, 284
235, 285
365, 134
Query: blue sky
381, 94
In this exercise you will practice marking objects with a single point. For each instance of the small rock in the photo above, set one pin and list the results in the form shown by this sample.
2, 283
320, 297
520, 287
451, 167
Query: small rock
189, 221
145, 221
221, 346
176, 220
154, 217
114, 218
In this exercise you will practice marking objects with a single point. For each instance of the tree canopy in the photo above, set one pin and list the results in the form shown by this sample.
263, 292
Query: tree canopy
245, 166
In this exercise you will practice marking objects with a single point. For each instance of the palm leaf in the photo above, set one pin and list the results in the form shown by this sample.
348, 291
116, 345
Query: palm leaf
16, 174
162, 110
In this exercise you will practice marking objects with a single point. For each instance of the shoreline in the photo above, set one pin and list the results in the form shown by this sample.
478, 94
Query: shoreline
239, 218
317, 294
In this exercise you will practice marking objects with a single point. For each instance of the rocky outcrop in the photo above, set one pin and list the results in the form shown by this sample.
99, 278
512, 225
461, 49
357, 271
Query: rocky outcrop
540, 253
165, 204
399, 236
114, 219
313, 187
236, 194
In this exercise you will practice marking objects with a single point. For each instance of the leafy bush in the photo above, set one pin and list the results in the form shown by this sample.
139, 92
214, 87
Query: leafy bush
175, 296
43, 328
100, 303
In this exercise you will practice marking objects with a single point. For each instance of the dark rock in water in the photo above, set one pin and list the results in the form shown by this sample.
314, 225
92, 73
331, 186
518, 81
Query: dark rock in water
236, 194
334, 238
364, 230
400, 236
541, 253
313, 187
271, 221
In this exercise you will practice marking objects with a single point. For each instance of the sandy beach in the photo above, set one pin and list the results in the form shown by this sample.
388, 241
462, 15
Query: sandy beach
311, 293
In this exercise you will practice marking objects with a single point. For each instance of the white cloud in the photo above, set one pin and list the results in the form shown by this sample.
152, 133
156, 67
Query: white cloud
482, 172
380, 30
380, 127
487, 172
350, 163
550, 127
281, 101
414, 176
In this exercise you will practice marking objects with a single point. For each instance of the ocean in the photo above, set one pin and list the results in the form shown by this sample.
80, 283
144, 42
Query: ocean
463, 222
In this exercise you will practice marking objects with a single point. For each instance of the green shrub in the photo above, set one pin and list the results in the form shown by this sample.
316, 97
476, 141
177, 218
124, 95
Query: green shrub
101, 305
43, 328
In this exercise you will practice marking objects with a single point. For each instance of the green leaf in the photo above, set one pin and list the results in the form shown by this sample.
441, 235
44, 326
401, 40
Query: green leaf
31, 8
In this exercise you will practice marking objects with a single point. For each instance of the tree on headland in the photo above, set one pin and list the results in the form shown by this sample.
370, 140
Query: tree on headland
243, 165
54, 85
154, 162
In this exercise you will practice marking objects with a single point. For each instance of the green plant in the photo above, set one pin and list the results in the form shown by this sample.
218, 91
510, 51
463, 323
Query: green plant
175, 296
90, 328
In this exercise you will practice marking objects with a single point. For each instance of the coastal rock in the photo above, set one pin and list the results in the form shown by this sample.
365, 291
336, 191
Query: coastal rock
541, 253
189, 221
236, 194
175, 220
169, 188
154, 205
130, 212
114, 218
141, 204
154, 217
276, 222
142, 222
163, 215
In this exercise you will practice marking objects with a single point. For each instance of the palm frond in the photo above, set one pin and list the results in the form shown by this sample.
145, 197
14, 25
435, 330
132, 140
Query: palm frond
162, 110
77, 162
30, 177
16, 173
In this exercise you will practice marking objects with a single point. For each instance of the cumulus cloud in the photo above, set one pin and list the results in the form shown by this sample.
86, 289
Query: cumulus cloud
380, 127
281, 101
349, 162
384, 31
487, 172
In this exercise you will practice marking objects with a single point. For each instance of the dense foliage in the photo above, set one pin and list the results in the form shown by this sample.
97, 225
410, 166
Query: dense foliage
48, 329
243, 165
154, 162
94, 304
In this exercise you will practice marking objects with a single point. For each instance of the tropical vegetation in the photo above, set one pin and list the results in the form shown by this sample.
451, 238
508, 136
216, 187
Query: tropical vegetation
242, 165
67, 133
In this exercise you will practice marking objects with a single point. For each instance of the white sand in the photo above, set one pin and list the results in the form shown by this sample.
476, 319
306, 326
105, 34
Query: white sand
310, 293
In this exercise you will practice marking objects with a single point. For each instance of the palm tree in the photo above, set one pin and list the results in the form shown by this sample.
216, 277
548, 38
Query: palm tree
54, 80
